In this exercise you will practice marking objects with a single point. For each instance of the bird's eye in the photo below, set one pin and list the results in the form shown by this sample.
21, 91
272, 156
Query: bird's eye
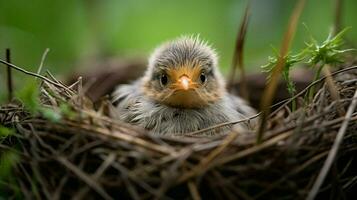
203, 77
163, 79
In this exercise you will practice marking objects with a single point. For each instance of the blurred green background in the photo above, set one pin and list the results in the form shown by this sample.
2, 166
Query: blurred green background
80, 30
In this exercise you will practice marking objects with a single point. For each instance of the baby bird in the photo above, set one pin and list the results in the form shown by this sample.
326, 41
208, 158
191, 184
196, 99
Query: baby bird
182, 91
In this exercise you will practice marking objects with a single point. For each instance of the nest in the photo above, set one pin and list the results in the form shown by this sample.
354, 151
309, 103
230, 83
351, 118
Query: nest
88, 155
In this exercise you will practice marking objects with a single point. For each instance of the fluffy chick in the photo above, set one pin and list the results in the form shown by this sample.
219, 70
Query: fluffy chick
182, 91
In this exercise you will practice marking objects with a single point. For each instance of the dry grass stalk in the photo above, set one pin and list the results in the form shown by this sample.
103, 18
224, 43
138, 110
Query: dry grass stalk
332, 88
270, 90
44, 55
238, 56
338, 4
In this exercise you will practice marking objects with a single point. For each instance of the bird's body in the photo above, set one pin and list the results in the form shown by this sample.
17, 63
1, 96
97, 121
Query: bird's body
181, 92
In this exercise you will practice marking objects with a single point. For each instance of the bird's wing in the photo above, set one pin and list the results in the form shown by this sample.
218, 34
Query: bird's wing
241, 106
123, 94
128, 101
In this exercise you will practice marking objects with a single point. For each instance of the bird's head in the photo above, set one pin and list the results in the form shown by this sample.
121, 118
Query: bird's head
183, 73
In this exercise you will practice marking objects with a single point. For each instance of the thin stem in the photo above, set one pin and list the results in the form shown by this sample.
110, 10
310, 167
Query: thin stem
338, 16
293, 104
34, 74
290, 88
9, 75
42, 61
238, 56
316, 77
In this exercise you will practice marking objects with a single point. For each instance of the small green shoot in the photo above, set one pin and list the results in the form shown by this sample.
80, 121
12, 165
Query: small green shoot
67, 111
29, 95
329, 52
290, 61
315, 55
7, 161
51, 114
55, 115
5, 132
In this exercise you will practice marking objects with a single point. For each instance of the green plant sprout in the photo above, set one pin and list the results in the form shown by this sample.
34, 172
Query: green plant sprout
328, 52
290, 61
5, 132
30, 97
315, 55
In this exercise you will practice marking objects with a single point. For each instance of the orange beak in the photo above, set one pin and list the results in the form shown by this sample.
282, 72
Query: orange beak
185, 82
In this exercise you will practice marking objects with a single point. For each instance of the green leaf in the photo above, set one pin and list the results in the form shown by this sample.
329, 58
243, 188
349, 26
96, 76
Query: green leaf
4, 132
329, 51
51, 115
67, 111
29, 95
8, 160
290, 61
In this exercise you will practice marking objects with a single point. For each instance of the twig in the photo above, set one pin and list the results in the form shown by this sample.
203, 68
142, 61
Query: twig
33, 74
270, 90
291, 173
223, 124
201, 167
284, 102
80, 94
100, 170
9, 75
40, 179
57, 193
125, 174
126, 137
68, 90
171, 175
87, 179
253, 149
334, 150
34, 189
193, 190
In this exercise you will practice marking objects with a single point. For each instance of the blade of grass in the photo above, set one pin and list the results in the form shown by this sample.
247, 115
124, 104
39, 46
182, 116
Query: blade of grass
270, 89
34, 74
238, 55
338, 16
44, 55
